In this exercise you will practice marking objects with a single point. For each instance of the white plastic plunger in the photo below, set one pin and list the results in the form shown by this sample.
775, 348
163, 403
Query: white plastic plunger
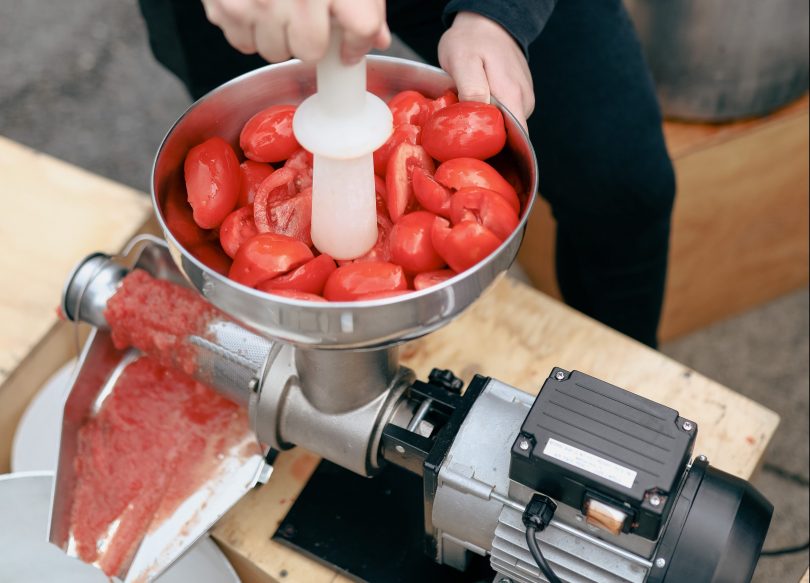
342, 125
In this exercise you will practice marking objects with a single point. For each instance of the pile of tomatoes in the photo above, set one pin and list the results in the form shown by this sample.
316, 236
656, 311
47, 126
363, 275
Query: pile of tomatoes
441, 208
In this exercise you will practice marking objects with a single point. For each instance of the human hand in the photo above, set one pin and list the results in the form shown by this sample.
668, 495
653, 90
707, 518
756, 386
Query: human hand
484, 59
281, 29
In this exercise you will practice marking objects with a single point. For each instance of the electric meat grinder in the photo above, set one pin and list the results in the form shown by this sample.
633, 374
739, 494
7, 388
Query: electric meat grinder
630, 505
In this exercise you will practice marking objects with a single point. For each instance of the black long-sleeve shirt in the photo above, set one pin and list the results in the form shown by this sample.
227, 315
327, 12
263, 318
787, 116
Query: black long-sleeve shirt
524, 19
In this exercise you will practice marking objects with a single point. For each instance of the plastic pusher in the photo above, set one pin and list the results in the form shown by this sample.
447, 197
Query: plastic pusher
342, 124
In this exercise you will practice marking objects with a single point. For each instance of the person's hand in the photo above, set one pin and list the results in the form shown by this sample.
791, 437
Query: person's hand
281, 29
484, 59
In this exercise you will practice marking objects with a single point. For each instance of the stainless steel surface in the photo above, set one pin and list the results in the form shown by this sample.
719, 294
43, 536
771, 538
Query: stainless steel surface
716, 60
341, 381
88, 287
335, 325
282, 414
465, 512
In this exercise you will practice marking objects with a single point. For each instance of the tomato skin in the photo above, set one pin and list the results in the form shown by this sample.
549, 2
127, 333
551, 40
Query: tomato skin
449, 97
237, 228
485, 207
384, 295
310, 277
411, 245
430, 194
405, 132
464, 130
296, 295
463, 245
348, 282
406, 107
213, 181
431, 278
268, 135
212, 256
462, 172
399, 187
253, 174
180, 222
265, 256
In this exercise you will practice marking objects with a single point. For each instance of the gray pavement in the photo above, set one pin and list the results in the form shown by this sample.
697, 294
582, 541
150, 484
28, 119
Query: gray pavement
77, 81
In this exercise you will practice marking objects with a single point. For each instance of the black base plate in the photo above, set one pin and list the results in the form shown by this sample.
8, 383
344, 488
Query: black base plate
371, 529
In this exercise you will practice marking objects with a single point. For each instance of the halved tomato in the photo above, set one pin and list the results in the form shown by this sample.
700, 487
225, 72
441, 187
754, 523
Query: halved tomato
404, 133
404, 159
449, 97
213, 256
463, 245
296, 295
181, 223
382, 248
431, 278
300, 162
253, 174
348, 282
430, 194
265, 256
237, 228
411, 246
212, 181
486, 207
467, 129
310, 277
406, 107
268, 135
462, 172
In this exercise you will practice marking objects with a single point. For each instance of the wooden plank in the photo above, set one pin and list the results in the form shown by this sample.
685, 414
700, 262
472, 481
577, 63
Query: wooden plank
806, 577
53, 214
740, 224
517, 335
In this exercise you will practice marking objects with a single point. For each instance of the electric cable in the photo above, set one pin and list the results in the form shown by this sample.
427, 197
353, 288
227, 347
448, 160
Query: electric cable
538, 514
785, 550
534, 549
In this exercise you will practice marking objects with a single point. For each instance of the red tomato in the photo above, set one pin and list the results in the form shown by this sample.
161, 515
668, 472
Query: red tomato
448, 98
462, 172
486, 207
212, 256
407, 133
181, 223
265, 256
349, 282
411, 246
269, 192
404, 159
268, 135
293, 217
430, 194
383, 295
296, 295
382, 248
310, 277
237, 228
464, 130
464, 245
253, 174
431, 278
382, 197
212, 181
300, 162
406, 107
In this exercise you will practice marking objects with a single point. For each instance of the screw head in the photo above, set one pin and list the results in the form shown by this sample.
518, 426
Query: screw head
559, 375
253, 385
655, 500
504, 580
399, 448
660, 562
688, 426
702, 458
524, 444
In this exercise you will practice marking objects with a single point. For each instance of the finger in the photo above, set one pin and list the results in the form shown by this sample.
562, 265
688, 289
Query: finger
308, 33
470, 77
270, 37
361, 22
383, 40
241, 37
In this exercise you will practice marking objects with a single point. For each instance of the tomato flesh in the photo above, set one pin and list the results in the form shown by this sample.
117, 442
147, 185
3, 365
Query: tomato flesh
399, 187
237, 228
253, 174
404, 133
268, 135
348, 282
485, 207
265, 256
463, 172
407, 106
463, 245
212, 181
430, 194
464, 130
310, 277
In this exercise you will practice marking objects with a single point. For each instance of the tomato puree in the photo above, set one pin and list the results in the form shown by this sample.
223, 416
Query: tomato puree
156, 317
153, 443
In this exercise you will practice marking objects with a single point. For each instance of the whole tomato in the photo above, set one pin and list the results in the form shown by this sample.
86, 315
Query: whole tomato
462, 172
411, 246
406, 107
430, 194
405, 132
253, 174
398, 185
310, 277
213, 256
212, 181
349, 282
463, 245
237, 228
431, 278
464, 130
265, 256
268, 135
181, 223
485, 207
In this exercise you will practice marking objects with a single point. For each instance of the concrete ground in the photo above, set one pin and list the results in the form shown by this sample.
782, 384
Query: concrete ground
77, 81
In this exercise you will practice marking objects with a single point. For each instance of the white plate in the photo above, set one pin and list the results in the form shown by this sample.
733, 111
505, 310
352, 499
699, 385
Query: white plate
35, 451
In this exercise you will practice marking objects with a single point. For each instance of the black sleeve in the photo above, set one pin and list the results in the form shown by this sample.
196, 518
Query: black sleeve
524, 19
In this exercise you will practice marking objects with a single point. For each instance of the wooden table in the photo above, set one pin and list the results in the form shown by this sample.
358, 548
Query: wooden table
53, 214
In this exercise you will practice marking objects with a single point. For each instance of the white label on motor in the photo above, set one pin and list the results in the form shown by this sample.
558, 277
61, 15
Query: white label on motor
590, 463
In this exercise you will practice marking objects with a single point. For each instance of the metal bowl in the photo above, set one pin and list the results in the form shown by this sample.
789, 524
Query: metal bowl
337, 325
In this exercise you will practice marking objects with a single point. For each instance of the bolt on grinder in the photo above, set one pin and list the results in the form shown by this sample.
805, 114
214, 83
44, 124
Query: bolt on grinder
584, 483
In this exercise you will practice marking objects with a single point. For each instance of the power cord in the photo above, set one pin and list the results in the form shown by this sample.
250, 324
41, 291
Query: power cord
785, 550
536, 517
